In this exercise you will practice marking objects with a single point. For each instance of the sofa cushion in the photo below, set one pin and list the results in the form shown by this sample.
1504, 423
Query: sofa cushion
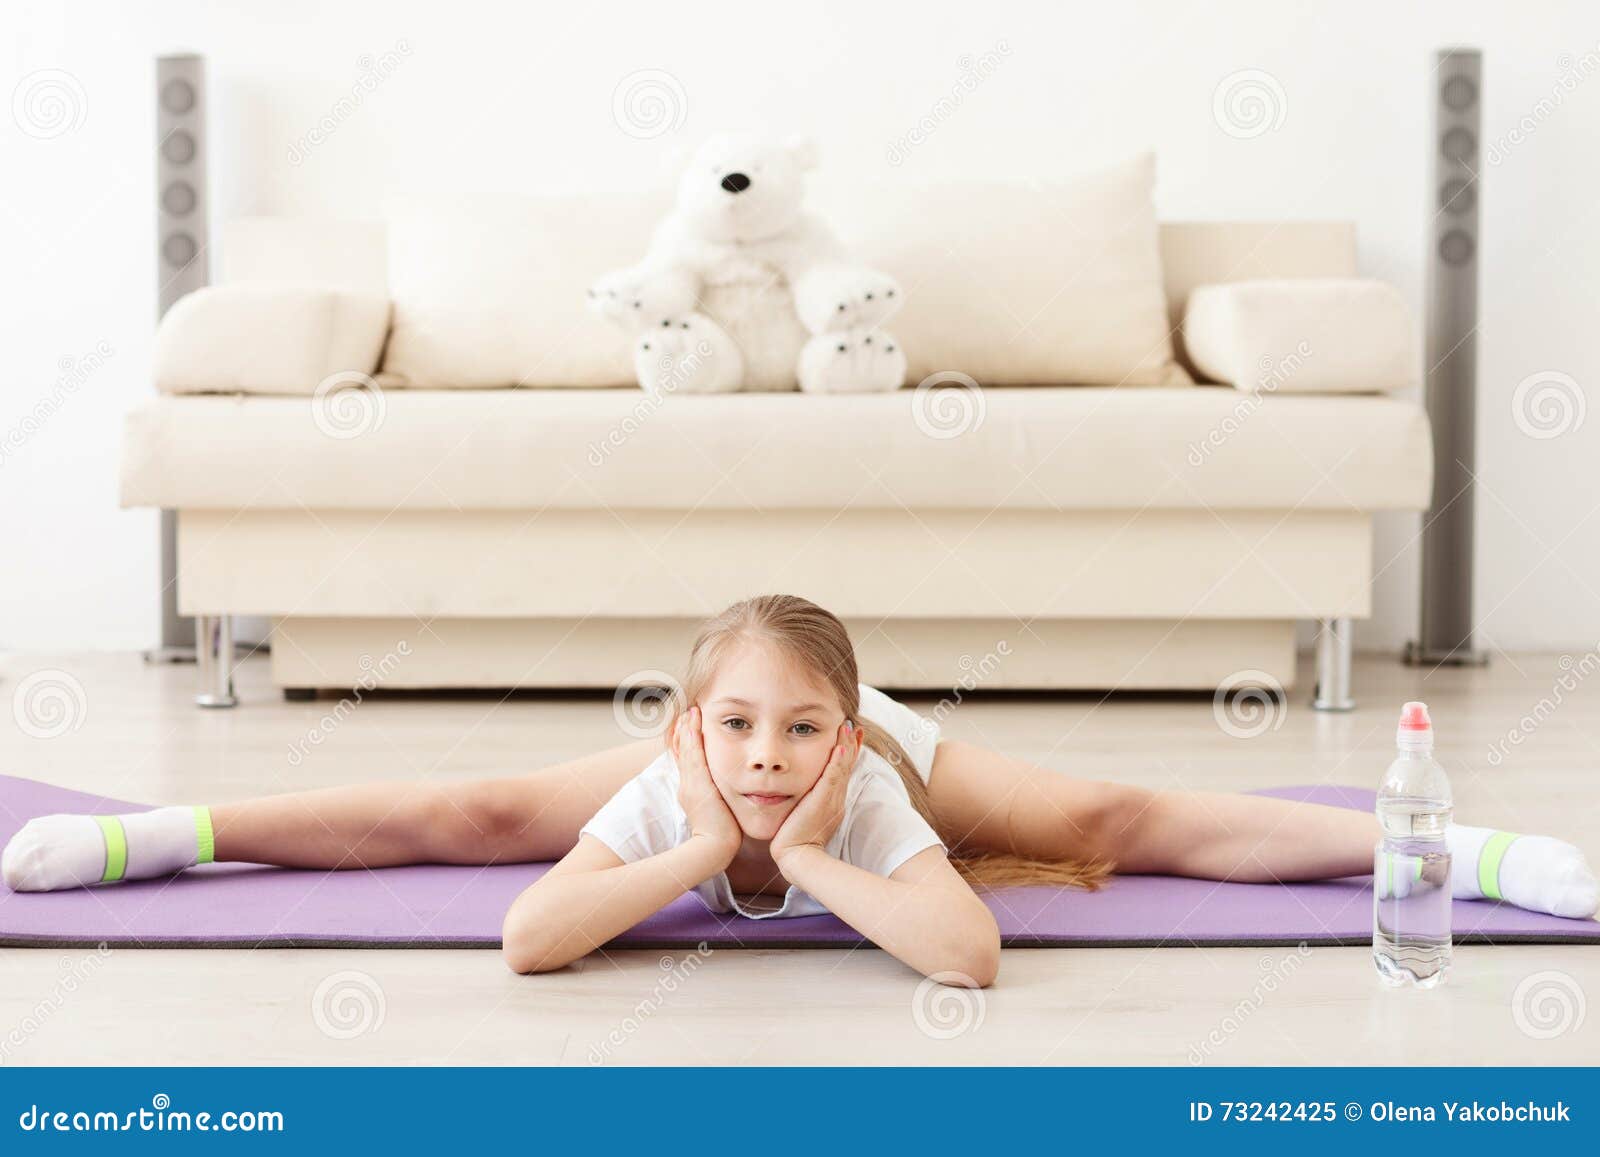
1318, 335
1011, 284
1038, 448
489, 290
268, 339
1019, 284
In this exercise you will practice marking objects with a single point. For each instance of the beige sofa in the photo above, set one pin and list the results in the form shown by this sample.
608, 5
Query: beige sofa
1065, 537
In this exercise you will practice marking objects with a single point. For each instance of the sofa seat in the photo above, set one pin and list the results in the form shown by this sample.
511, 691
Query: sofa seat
1037, 448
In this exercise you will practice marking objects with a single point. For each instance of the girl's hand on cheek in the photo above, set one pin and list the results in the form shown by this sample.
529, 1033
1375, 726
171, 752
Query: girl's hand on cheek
709, 815
817, 816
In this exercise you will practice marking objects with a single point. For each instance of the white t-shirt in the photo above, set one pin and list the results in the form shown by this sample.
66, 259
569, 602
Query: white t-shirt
880, 831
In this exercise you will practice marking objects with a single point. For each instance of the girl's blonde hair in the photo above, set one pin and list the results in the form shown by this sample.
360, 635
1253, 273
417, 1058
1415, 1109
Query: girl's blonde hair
816, 639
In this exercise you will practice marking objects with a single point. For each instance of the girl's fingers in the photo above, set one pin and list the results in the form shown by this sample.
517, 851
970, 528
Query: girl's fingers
689, 745
849, 748
842, 760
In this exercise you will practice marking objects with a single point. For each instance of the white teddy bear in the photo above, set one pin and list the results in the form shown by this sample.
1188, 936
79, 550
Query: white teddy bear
743, 290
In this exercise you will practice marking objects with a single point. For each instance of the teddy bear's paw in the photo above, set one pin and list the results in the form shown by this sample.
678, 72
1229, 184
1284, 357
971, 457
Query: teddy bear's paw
838, 300
689, 354
857, 361
640, 301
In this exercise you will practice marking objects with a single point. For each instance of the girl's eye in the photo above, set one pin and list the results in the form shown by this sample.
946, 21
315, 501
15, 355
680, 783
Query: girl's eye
736, 724
805, 729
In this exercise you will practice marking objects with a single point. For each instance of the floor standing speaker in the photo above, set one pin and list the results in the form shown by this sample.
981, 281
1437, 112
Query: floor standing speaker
182, 265
1454, 244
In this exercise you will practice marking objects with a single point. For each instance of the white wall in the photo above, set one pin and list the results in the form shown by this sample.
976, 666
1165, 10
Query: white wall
521, 97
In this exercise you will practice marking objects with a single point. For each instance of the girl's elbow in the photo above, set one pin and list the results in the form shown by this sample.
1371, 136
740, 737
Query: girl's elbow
525, 950
984, 965
527, 959
522, 956
976, 969
974, 960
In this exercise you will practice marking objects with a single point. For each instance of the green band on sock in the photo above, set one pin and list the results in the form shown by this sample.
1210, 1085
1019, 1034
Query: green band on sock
203, 835
116, 848
1494, 850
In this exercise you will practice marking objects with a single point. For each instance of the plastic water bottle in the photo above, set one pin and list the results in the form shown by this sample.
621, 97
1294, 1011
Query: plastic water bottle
1411, 865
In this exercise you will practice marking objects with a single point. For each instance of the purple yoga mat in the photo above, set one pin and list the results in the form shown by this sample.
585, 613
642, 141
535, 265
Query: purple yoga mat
438, 906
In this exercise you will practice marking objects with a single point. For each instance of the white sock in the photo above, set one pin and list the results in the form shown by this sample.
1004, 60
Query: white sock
1534, 872
70, 851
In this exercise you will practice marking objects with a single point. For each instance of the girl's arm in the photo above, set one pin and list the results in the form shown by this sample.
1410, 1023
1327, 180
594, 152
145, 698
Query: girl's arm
924, 913
591, 897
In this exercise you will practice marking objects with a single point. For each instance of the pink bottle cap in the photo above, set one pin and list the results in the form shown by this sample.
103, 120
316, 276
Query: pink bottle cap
1414, 717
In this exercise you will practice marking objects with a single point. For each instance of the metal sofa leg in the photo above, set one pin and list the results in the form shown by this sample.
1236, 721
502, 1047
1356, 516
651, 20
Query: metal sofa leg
1334, 653
213, 641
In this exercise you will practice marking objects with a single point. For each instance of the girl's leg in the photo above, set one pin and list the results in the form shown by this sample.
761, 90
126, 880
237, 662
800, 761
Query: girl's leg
1250, 839
510, 819
985, 801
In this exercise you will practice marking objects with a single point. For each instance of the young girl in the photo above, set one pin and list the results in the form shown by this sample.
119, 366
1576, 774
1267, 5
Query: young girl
786, 788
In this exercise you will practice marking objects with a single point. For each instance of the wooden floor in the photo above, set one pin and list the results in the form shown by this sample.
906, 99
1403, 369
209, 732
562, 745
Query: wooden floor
140, 738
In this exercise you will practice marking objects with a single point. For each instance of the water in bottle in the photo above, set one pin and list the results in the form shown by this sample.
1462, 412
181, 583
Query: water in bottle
1411, 865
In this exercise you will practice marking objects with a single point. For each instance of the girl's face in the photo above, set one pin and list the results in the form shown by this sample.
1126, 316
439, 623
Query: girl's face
769, 727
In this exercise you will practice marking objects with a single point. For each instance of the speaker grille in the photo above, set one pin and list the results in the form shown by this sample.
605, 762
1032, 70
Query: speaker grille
1458, 93
1452, 273
1457, 196
181, 266
178, 149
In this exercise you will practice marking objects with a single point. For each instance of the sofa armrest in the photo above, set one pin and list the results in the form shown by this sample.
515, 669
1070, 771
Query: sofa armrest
268, 339
1311, 336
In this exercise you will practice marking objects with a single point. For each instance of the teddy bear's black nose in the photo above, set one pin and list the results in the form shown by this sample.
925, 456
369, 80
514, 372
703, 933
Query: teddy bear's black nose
736, 182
